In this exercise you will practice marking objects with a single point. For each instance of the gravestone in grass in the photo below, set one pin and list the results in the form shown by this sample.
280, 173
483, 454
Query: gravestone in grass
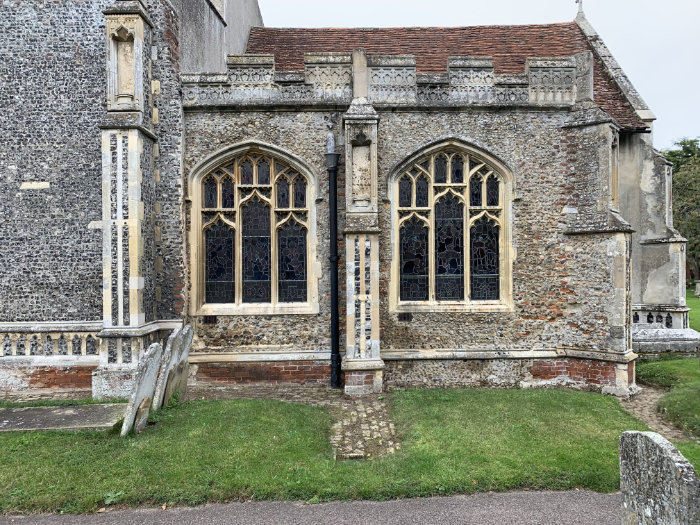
136, 415
172, 377
177, 377
658, 484
167, 362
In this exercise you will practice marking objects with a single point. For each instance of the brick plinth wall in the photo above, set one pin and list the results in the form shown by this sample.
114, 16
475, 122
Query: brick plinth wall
18, 380
586, 374
271, 372
59, 377
600, 373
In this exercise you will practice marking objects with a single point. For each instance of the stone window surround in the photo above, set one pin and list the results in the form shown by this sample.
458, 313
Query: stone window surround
506, 249
196, 239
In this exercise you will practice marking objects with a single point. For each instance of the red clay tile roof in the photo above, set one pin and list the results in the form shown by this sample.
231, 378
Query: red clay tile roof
509, 46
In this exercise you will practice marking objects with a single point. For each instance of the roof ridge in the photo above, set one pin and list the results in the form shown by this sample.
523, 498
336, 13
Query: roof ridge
266, 28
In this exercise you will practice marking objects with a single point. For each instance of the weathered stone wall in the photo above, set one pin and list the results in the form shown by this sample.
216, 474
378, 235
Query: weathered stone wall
168, 229
565, 287
212, 30
302, 134
562, 284
52, 91
658, 484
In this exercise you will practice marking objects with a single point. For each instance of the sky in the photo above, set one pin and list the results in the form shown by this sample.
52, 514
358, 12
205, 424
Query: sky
657, 42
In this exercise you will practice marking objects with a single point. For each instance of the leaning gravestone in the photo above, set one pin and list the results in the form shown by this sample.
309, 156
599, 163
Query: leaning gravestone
167, 362
658, 484
177, 377
136, 414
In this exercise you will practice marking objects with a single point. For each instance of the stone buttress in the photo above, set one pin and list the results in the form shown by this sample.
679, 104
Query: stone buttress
362, 363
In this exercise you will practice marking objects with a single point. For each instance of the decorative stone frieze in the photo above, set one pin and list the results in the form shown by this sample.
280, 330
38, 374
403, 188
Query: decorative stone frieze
392, 80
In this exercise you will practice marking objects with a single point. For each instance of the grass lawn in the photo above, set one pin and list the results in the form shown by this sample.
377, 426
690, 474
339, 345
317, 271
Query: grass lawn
454, 441
682, 404
694, 305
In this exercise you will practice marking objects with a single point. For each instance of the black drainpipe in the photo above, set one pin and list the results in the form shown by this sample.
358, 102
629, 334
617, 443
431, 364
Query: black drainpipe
332, 165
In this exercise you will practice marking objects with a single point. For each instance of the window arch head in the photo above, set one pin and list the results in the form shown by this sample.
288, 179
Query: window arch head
251, 238
451, 209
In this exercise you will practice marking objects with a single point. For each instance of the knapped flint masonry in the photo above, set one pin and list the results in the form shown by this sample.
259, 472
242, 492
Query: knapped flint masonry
503, 217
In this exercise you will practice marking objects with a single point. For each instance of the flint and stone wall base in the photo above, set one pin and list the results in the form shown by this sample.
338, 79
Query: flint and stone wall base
300, 372
580, 374
658, 484
112, 382
362, 382
21, 381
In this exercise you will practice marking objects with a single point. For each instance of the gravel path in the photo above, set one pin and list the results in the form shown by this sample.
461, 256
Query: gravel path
643, 406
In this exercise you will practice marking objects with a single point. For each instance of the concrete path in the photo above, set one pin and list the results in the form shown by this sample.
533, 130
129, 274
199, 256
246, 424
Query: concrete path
522, 508
78, 417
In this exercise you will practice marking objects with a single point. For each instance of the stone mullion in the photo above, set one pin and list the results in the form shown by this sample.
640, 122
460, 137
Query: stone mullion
466, 218
431, 245
273, 249
238, 248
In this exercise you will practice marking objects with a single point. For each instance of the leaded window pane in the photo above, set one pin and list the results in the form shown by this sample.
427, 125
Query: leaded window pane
282, 193
485, 277
246, 172
405, 188
210, 192
227, 195
421, 192
291, 267
255, 223
449, 249
475, 191
492, 191
219, 265
457, 170
299, 192
414, 261
263, 173
440, 169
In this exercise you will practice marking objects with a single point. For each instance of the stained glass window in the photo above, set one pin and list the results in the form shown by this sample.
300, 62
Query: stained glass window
414, 261
256, 252
219, 266
449, 233
299, 192
263, 173
405, 189
255, 234
210, 192
421, 192
246, 172
440, 169
492, 191
292, 263
282, 193
457, 167
475, 191
227, 195
484, 260
449, 248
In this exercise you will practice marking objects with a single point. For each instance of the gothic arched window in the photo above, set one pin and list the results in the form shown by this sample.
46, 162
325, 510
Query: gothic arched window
253, 223
450, 231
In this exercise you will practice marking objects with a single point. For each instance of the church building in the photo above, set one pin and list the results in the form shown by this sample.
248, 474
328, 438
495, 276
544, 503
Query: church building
503, 218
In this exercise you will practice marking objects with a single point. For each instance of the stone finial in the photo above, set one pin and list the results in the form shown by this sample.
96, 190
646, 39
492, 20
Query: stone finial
580, 6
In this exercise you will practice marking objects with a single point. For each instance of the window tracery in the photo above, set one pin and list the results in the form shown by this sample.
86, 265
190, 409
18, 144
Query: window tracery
449, 212
254, 233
